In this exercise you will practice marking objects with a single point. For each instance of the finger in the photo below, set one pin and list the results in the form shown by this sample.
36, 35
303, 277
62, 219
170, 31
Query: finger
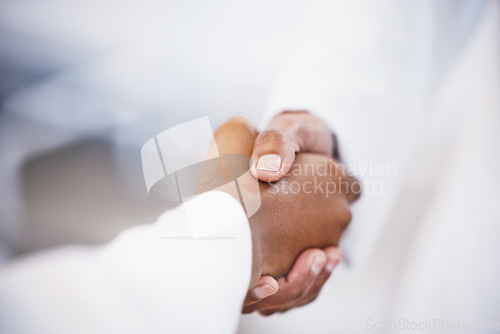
353, 190
273, 155
335, 256
349, 184
309, 296
287, 134
265, 287
235, 139
253, 303
292, 288
236, 136
267, 312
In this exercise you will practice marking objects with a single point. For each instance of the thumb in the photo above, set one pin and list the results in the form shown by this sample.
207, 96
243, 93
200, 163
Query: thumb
273, 155
288, 133
265, 287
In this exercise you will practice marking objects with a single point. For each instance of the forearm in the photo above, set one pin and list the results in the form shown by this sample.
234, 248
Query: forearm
144, 280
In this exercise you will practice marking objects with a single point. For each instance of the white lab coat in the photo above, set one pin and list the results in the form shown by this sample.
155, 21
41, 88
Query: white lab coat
147, 280
415, 85
374, 71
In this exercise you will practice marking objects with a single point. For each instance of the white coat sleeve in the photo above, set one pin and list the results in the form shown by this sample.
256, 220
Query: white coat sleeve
144, 281
368, 69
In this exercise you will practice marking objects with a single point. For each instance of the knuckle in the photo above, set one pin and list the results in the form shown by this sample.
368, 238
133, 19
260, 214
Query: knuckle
346, 215
275, 137
296, 293
247, 310
238, 124
293, 112
312, 298
343, 217
284, 310
267, 313
237, 121
315, 290
336, 169
355, 188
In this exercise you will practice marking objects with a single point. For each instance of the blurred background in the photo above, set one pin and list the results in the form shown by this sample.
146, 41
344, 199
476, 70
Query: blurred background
84, 84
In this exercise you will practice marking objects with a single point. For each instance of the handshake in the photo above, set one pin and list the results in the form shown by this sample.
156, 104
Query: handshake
304, 198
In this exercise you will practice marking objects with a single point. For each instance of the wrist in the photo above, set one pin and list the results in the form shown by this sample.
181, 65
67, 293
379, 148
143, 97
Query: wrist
255, 234
307, 131
256, 254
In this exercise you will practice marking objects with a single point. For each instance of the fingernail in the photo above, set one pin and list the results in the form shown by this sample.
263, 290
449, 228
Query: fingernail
332, 263
269, 162
264, 290
318, 264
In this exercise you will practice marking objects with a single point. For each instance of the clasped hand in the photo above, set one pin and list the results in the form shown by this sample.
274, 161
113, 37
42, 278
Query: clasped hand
302, 214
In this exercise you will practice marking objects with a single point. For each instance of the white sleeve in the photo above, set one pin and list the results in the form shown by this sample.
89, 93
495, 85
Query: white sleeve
144, 281
368, 69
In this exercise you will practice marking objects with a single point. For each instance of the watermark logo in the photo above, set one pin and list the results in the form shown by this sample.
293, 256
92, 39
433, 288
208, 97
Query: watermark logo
431, 325
183, 162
